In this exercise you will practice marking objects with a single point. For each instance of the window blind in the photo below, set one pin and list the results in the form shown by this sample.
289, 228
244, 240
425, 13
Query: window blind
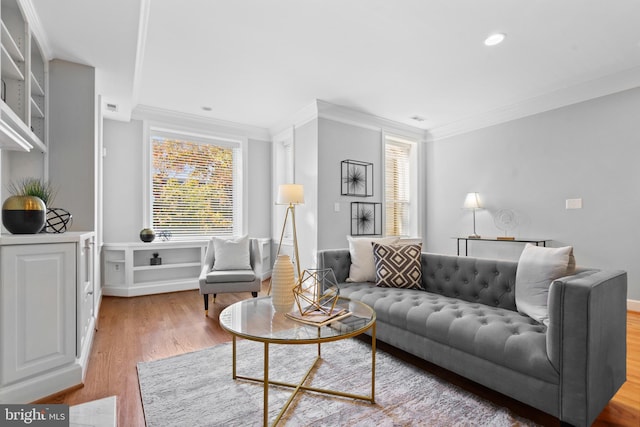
397, 188
193, 186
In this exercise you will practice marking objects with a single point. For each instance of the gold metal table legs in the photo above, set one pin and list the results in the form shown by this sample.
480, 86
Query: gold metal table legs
300, 386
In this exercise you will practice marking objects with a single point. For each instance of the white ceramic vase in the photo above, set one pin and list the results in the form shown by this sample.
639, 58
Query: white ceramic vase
282, 284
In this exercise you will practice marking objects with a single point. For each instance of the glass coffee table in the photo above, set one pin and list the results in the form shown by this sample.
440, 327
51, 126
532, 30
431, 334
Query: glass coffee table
256, 320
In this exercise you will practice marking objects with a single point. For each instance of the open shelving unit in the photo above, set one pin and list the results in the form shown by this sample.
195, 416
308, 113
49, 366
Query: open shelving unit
127, 269
23, 70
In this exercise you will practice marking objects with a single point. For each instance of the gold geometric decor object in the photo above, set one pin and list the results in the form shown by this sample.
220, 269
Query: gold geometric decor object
316, 291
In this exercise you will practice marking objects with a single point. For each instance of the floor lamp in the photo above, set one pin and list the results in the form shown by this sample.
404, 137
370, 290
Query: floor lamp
291, 195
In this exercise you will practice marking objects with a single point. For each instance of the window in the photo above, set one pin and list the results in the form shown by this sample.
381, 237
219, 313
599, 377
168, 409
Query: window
195, 184
399, 187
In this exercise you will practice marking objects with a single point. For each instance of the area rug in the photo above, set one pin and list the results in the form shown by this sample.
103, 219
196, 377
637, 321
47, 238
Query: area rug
196, 389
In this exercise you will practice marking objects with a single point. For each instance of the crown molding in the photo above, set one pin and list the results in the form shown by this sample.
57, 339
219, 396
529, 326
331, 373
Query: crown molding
299, 118
575, 94
338, 113
146, 112
143, 24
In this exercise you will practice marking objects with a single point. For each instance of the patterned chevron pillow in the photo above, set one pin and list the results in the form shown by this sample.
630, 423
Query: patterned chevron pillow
398, 266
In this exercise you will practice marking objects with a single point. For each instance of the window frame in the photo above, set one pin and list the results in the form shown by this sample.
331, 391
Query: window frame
414, 211
186, 133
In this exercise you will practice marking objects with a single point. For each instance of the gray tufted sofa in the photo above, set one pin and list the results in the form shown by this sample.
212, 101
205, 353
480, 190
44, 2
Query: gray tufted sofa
466, 321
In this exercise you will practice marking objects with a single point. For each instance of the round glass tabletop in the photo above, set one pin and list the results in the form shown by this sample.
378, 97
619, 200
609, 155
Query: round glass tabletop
255, 319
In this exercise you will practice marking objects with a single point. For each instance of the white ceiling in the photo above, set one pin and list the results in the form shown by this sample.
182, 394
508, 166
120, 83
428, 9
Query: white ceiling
257, 62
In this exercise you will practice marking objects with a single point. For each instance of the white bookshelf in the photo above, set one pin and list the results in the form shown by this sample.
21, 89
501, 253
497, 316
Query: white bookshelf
24, 70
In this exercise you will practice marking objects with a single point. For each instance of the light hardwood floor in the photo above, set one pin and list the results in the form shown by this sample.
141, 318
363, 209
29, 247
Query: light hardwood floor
158, 326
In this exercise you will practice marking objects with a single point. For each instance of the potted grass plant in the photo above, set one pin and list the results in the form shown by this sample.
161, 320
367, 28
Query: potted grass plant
25, 211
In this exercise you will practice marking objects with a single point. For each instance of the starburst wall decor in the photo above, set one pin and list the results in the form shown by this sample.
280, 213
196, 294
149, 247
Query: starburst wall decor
366, 219
356, 178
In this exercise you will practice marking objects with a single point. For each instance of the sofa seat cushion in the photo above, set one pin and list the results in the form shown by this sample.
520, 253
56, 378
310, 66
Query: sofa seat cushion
228, 276
502, 336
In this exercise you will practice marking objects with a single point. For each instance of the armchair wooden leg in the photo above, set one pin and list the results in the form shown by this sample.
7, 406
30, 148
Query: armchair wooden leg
254, 294
206, 304
214, 298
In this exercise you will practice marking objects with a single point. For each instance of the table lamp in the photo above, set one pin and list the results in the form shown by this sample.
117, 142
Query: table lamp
472, 201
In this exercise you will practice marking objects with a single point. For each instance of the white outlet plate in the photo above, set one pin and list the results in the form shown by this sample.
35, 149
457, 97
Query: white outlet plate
336, 207
573, 204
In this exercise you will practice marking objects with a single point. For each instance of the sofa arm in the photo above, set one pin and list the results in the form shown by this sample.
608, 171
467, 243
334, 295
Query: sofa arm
586, 341
339, 260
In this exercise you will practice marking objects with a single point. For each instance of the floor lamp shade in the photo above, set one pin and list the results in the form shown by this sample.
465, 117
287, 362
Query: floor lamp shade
290, 194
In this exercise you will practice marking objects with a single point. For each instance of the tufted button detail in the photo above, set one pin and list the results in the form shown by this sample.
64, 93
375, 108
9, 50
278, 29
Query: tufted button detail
447, 278
456, 268
496, 302
485, 285
475, 272
497, 273
457, 293
508, 289
465, 281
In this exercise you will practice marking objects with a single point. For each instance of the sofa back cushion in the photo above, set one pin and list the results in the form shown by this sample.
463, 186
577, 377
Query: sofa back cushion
485, 281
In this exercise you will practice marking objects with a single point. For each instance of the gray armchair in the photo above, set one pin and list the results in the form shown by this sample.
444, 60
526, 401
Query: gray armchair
221, 281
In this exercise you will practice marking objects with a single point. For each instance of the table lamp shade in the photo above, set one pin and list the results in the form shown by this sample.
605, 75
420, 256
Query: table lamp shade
472, 201
290, 194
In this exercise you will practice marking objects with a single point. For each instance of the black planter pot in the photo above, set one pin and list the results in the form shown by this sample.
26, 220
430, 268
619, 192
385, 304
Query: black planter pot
24, 214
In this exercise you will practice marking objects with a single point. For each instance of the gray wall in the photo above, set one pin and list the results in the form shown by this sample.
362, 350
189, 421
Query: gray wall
123, 177
338, 142
122, 181
306, 173
72, 136
588, 150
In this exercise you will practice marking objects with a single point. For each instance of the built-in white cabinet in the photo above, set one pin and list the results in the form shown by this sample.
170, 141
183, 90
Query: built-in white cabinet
23, 69
46, 318
128, 269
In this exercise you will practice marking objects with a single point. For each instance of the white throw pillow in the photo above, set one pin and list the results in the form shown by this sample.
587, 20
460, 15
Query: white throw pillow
538, 267
231, 254
363, 267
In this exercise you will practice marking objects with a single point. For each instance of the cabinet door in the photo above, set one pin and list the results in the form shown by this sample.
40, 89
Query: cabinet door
85, 290
38, 308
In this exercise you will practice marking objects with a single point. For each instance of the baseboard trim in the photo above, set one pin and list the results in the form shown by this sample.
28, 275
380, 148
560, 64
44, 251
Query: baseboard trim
633, 305
135, 291
40, 386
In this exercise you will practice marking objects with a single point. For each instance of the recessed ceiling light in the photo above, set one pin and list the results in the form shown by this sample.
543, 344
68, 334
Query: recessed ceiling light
494, 39
207, 108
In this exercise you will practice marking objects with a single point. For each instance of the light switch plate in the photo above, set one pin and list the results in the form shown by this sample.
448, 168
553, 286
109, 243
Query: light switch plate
336, 207
573, 204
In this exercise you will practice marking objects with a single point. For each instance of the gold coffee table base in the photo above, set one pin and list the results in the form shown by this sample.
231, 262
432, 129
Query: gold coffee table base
300, 386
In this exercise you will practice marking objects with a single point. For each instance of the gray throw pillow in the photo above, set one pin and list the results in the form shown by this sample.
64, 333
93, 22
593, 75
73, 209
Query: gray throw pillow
538, 267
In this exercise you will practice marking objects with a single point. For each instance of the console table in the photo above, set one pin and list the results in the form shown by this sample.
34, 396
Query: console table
537, 242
